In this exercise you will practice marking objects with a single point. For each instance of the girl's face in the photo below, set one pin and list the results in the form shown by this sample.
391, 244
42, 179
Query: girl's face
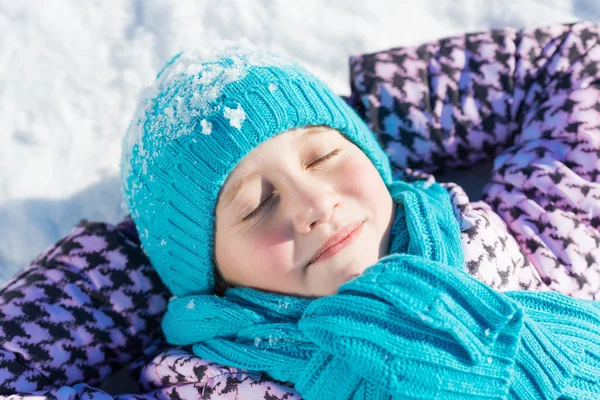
286, 199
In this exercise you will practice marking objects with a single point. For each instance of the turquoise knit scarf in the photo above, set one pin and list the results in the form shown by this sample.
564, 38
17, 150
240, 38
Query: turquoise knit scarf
414, 325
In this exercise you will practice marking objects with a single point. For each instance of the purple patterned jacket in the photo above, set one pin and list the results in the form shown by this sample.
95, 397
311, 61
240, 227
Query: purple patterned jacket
90, 305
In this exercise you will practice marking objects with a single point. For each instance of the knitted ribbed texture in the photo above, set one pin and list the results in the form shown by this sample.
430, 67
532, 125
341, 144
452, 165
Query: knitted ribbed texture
560, 351
193, 126
413, 326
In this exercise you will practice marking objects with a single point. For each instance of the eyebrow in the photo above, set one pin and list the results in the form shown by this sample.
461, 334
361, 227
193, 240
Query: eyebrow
236, 186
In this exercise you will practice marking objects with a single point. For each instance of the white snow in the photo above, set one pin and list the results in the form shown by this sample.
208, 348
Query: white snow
236, 116
206, 127
71, 72
191, 305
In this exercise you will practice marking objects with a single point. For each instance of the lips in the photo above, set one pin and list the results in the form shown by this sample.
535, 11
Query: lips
336, 238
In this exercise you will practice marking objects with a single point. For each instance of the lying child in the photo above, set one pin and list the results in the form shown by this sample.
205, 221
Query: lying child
342, 281
411, 325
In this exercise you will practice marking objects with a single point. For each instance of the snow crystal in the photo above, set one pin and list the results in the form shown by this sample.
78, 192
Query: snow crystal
206, 127
272, 340
285, 304
191, 305
257, 341
235, 116
199, 78
171, 114
273, 87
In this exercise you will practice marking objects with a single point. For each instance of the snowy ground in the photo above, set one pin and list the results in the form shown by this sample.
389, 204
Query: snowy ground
70, 72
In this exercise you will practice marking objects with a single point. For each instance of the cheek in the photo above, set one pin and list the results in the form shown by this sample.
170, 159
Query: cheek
270, 245
269, 239
361, 179
256, 260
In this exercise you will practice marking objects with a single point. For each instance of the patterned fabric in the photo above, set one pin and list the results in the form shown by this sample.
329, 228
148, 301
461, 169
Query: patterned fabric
82, 309
528, 97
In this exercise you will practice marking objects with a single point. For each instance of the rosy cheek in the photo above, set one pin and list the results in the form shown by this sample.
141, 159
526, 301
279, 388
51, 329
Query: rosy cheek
272, 246
363, 182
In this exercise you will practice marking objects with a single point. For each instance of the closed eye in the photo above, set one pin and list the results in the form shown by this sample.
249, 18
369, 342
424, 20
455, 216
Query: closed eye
258, 209
267, 201
325, 158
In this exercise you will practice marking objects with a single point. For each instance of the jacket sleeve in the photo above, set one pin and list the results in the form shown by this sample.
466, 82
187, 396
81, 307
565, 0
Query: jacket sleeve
82, 310
460, 100
546, 185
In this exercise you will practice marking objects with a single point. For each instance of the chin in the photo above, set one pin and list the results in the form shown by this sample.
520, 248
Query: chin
358, 270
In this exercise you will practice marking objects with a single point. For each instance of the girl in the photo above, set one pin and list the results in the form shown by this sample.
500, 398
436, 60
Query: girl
343, 281
248, 162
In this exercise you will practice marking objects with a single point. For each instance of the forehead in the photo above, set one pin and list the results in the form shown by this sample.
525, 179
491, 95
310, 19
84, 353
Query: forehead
244, 171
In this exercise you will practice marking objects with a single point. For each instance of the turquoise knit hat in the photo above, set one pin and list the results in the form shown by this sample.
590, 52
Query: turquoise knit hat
192, 127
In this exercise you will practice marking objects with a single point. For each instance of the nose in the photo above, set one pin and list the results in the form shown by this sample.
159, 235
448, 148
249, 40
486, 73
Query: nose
313, 203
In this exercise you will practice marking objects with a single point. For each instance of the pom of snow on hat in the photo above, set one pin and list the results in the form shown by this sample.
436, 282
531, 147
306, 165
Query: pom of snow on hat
192, 127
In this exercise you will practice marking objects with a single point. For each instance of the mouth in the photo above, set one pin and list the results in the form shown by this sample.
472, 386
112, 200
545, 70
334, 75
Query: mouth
339, 241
